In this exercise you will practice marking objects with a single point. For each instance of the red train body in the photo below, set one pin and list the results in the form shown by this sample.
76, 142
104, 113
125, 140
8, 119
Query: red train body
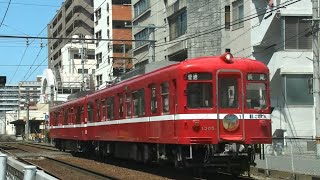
208, 111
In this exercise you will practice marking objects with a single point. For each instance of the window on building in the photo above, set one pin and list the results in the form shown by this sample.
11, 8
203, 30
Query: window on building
295, 31
138, 103
85, 71
98, 14
90, 56
99, 80
121, 2
154, 104
99, 58
140, 7
165, 97
178, 25
142, 35
117, 24
227, 17
99, 35
297, 89
237, 14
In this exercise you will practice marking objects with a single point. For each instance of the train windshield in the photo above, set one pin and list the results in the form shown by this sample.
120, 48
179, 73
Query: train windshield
256, 96
199, 95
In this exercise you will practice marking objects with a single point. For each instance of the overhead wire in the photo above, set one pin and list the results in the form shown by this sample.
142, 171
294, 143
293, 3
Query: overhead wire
5, 14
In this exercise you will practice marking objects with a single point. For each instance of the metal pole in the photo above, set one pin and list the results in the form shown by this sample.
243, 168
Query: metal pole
124, 55
5, 122
82, 62
152, 51
3, 166
29, 172
316, 83
27, 120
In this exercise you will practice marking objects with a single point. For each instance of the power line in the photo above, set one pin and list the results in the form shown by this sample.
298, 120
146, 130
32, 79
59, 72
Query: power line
5, 14
218, 28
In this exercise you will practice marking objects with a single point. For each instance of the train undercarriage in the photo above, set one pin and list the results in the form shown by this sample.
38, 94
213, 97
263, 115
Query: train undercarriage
224, 157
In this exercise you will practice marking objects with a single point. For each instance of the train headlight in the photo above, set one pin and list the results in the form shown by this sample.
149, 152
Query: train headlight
227, 57
230, 122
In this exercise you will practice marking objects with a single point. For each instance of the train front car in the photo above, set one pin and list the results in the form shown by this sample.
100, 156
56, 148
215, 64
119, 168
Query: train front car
224, 111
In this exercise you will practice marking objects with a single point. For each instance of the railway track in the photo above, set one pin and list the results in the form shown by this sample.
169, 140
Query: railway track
54, 167
84, 168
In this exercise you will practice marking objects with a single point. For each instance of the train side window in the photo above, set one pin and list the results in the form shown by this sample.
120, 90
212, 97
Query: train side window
120, 105
55, 120
165, 97
65, 117
81, 113
128, 104
138, 103
110, 106
90, 112
199, 95
228, 93
70, 115
78, 114
98, 109
153, 98
104, 110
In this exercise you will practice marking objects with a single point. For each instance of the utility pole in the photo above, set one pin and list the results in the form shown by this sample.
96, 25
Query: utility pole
82, 62
152, 39
124, 57
152, 45
27, 120
316, 80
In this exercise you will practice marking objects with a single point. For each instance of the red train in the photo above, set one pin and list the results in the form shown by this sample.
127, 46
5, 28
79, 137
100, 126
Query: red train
203, 112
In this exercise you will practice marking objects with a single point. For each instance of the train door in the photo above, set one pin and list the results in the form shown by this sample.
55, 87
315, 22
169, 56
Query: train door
230, 105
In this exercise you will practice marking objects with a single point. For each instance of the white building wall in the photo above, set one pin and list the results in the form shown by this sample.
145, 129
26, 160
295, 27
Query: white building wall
268, 45
70, 65
157, 17
104, 47
237, 40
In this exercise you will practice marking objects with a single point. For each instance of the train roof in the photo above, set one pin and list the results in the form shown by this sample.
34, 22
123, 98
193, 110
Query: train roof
214, 62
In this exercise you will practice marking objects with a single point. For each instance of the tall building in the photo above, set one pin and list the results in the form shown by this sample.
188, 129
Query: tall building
175, 21
31, 89
278, 37
112, 20
9, 101
73, 20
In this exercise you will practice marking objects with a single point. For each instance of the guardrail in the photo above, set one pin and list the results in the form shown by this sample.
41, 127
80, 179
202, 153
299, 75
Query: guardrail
11, 169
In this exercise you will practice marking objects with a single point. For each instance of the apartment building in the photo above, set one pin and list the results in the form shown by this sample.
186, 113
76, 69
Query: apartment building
112, 19
175, 22
9, 101
73, 20
29, 90
279, 38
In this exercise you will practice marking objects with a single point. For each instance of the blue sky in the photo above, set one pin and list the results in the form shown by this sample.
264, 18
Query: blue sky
24, 17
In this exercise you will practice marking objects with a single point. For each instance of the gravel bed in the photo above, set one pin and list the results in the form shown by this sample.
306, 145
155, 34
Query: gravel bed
59, 171
114, 171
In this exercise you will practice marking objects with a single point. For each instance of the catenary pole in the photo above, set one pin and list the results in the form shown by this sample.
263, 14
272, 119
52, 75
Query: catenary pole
316, 80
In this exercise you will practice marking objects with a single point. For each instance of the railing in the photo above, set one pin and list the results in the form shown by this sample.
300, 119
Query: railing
293, 155
12, 169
